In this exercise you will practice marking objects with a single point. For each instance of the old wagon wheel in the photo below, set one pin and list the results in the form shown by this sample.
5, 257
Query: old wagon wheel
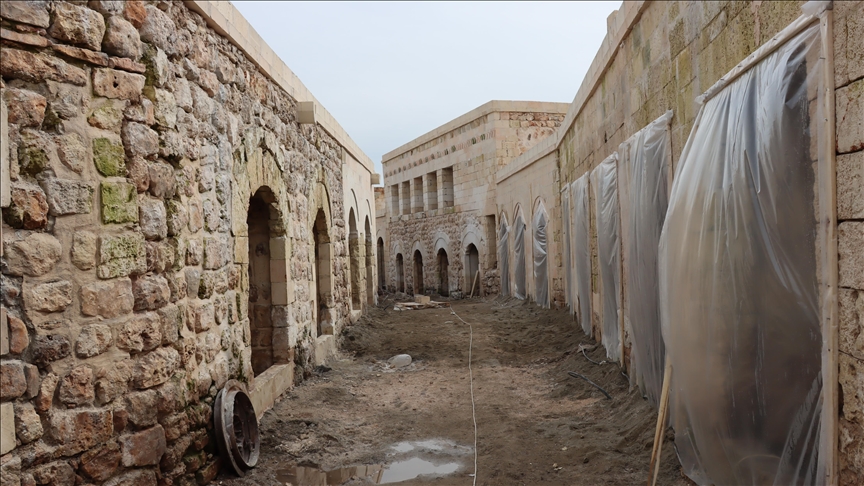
236, 428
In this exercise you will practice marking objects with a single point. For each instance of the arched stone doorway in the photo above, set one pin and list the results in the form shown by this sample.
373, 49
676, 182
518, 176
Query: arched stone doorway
472, 269
354, 259
370, 270
400, 273
323, 275
380, 257
418, 272
443, 273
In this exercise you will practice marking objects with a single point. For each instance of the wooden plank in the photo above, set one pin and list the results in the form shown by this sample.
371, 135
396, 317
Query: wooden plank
659, 431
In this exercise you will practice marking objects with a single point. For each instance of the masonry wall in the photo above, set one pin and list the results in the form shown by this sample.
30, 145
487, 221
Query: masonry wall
136, 136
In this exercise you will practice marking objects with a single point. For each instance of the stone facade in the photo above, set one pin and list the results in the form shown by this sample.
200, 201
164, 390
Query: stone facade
136, 136
439, 197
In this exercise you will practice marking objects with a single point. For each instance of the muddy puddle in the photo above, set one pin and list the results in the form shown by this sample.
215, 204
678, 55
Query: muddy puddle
405, 461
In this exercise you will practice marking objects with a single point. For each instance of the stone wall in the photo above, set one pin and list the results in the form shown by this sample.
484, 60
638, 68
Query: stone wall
136, 137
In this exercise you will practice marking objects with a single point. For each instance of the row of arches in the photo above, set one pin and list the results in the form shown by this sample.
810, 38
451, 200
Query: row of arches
471, 265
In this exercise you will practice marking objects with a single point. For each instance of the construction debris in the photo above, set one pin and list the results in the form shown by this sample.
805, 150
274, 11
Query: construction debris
431, 304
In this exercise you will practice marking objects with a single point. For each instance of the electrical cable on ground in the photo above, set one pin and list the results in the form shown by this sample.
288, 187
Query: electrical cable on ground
471, 380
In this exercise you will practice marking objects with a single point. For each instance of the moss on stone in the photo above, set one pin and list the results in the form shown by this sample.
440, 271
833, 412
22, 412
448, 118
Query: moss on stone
32, 159
109, 158
119, 203
122, 255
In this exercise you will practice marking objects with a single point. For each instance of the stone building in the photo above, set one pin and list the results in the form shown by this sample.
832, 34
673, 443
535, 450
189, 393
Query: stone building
437, 213
178, 211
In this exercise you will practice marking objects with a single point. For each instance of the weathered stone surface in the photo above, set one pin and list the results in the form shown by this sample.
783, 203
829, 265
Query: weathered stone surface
151, 292
208, 473
28, 426
94, 340
177, 217
194, 252
202, 315
122, 255
140, 333
72, 151
849, 103
46, 392
206, 178
13, 383
165, 108
138, 171
7, 432
140, 140
141, 113
177, 284
216, 253
112, 381
196, 215
109, 157
152, 218
26, 108
161, 180
86, 55
851, 317
28, 12
79, 430
141, 407
78, 25
29, 208
173, 319
850, 236
137, 477
850, 185
109, 299
34, 380
68, 196
111, 83
23, 38
49, 348
100, 464
76, 388
158, 29
34, 255
119, 202
183, 94
158, 67
852, 383
47, 297
19, 338
121, 38
58, 473
107, 116
155, 368
10, 466
37, 67
35, 152
84, 246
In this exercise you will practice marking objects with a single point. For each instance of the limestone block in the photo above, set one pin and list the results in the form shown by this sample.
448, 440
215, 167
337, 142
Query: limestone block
152, 217
33, 255
100, 464
107, 115
19, 338
849, 102
202, 314
173, 318
850, 186
141, 407
848, 42
852, 382
31, 12
119, 202
121, 255
215, 252
26, 108
13, 383
38, 67
84, 246
47, 297
77, 25
35, 152
850, 237
194, 252
196, 215
851, 317
138, 171
155, 368
68, 196
177, 217
110, 83
48, 348
121, 38
165, 111
158, 66
93, 340
7, 421
109, 157
107, 299
141, 332
158, 29
151, 292
76, 388
79, 430
46, 392
140, 140
113, 381
72, 151
28, 208
162, 180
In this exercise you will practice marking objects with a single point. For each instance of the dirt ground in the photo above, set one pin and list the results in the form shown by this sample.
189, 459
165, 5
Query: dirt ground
536, 424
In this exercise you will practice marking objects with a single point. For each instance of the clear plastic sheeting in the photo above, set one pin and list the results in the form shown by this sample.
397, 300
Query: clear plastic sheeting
519, 250
738, 279
504, 257
604, 180
582, 247
644, 194
568, 259
541, 273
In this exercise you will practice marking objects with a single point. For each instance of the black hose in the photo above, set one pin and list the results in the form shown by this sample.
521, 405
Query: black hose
577, 375
591, 360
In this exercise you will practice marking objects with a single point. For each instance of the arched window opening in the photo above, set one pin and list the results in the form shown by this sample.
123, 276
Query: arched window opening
443, 273
370, 270
323, 275
472, 270
400, 273
380, 257
354, 259
418, 272
261, 221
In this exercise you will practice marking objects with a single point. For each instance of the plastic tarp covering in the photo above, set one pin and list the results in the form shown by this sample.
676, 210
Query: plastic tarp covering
604, 180
541, 273
738, 279
504, 257
582, 247
643, 180
519, 250
568, 259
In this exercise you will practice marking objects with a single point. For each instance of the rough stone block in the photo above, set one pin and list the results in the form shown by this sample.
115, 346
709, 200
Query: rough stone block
45, 397
155, 368
79, 430
100, 464
142, 332
137, 171
151, 292
177, 217
202, 314
57, 473
140, 140
107, 116
27, 12
47, 297
111, 83
48, 348
152, 218
109, 157
29, 207
93, 340
166, 108
121, 38
84, 246
122, 255
38, 67
68, 197
850, 236
7, 426
162, 182
107, 299
33, 255
141, 407
19, 338
852, 383
26, 108
119, 202
851, 317
76, 388
158, 29
138, 477
77, 25
78, 53
215, 252
35, 152
850, 186
72, 151
849, 103
13, 383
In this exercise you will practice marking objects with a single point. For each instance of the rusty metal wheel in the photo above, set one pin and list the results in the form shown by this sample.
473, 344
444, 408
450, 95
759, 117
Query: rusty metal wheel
236, 428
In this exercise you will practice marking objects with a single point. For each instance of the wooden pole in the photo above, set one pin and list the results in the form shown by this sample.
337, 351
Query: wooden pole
476, 277
659, 432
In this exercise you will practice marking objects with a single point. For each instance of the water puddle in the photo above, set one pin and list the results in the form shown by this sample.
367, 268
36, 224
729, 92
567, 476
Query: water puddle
409, 460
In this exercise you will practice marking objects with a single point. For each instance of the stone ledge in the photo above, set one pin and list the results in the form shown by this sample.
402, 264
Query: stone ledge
270, 385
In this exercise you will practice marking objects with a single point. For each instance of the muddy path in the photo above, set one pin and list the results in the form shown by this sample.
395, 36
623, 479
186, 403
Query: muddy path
361, 422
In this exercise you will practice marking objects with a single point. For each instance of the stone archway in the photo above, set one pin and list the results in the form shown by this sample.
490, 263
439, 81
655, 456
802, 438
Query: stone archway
354, 262
472, 270
380, 256
400, 273
370, 269
323, 275
418, 272
443, 273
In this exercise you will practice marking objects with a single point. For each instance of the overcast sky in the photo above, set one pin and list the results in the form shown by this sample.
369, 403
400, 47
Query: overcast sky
390, 72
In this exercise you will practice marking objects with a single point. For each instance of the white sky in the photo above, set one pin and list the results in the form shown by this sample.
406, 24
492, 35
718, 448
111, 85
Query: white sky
390, 72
